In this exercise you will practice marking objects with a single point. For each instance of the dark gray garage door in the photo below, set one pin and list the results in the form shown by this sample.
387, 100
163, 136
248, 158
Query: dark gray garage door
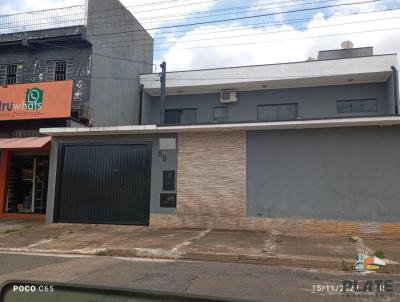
101, 183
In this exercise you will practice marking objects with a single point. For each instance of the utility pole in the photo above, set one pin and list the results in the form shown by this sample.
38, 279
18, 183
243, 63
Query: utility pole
162, 94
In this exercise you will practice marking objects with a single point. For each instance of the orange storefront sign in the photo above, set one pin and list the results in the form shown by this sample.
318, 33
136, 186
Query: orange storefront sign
36, 101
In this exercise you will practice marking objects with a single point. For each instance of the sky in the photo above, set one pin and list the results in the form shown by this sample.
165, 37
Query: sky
286, 31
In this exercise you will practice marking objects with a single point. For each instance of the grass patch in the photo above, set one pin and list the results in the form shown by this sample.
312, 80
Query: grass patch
352, 239
102, 252
379, 254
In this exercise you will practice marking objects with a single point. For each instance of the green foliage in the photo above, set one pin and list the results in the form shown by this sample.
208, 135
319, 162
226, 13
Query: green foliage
379, 254
102, 252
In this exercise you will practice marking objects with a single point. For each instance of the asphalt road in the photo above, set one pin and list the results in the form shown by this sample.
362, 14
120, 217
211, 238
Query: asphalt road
239, 281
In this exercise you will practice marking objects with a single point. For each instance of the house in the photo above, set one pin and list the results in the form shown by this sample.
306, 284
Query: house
61, 68
293, 146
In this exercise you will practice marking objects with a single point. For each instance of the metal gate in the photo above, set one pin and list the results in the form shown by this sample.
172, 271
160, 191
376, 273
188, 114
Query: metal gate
104, 183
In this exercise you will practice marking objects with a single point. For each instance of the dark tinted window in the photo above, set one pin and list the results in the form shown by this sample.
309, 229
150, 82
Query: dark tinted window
370, 105
180, 116
353, 106
220, 114
344, 107
277, 112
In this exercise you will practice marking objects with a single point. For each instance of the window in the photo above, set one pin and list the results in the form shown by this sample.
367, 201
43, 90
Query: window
11, 74
353, 106
277, 112
220, 114
60, 71
180, 116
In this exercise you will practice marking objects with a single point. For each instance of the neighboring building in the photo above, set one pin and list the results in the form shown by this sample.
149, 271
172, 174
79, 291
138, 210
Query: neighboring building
72, 67
294, 146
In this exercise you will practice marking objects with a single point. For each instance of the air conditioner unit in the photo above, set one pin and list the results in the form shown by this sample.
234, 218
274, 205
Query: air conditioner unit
228, 96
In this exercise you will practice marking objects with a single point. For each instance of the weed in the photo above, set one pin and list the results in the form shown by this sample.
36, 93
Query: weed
352, 239
379, 254
102, 252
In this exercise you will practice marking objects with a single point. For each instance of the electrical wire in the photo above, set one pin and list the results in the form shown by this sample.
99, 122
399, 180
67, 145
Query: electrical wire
248, 34
282, 40
235, 44
245, 17
238, 18
245, 35
248, 26
95, 54
28, 23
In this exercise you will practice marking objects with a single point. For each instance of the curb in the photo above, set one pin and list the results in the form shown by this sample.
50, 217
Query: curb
282, 260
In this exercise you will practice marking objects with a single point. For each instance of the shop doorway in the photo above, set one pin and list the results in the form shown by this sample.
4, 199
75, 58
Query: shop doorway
27, 184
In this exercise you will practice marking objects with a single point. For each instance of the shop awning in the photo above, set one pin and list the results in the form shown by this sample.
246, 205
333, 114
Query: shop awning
25, 143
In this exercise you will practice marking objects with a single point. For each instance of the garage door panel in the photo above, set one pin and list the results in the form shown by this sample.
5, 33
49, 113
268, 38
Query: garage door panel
105, 184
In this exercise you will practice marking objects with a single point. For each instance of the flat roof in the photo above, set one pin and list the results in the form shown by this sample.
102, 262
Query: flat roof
153, 129
275, 76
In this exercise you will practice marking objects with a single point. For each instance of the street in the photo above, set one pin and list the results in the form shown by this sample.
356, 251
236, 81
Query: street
239, 281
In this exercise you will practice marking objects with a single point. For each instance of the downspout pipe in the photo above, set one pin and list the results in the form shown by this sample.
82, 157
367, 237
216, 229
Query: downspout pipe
141, 103
396, 89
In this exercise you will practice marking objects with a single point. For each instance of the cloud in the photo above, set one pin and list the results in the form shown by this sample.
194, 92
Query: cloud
14, 21
282, 43
160, 12
12, 7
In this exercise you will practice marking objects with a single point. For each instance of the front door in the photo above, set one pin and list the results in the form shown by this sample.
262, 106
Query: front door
27, 184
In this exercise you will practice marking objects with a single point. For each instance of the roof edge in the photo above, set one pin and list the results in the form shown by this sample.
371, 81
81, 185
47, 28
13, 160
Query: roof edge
154, 129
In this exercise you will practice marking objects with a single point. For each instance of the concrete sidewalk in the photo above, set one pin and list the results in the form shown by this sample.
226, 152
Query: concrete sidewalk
308, 251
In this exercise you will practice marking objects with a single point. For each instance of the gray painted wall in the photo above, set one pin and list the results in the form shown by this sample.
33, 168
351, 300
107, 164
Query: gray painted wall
337, 173
157, 167
313, 102
115, 33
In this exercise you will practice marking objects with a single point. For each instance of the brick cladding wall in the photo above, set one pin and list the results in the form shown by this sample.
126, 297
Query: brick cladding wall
211, 192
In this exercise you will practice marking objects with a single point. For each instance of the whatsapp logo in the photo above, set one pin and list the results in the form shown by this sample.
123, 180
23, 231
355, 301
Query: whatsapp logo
34, 99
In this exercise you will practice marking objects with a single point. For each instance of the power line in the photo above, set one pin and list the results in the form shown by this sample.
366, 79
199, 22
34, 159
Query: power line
282, 40
225, 45
215, 10
245, 35
155, 18
253, 34
241, 18
251, 26
96, 54
95, 11
226, 9
124, 8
